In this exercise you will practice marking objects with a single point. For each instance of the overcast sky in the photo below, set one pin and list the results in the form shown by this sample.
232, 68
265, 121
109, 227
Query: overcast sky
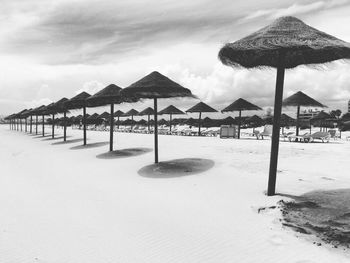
54, 49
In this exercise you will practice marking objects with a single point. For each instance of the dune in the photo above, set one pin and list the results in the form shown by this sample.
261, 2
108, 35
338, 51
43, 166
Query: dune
86, 205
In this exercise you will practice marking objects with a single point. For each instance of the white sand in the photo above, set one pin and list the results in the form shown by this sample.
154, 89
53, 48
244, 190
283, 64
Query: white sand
64, 205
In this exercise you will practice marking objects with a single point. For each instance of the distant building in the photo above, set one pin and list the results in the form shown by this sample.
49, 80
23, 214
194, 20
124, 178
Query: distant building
308, 114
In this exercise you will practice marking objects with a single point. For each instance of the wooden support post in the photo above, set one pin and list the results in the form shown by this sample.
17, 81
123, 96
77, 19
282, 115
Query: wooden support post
43, 125
239, 124
64, 126
111, 128
155, 131
36, 125
170, 121
53, 126
271, 190
199, 123
84, 124
31, 124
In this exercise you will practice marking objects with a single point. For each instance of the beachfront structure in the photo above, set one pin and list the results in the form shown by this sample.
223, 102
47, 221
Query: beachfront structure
284, 44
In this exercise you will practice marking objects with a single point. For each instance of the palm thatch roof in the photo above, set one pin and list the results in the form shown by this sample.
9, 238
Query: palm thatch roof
241, 105
93, 116
322, 116
301, 99
57, 107
300, 43
171, 110
228, 121
147, 111
26, 113
254, 119
108, 95
78, 101
155, 85
201, 107
36, 111
131, 112
163, 122
19, 114
104, 115
118, 113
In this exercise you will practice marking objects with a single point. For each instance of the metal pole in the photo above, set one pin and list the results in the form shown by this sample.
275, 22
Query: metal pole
111, 128
271, 190
155, 131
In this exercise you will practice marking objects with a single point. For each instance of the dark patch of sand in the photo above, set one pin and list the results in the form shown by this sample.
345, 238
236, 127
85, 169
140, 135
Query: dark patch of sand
123, 153
325, 214
176, 168
52, 139
89, 145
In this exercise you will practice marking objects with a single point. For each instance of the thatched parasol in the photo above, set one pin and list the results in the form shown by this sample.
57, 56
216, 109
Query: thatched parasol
322, 117
254, 121
301, 99
155, 86
131, 113
118, 114
55, 108
110, 95
286, 43
25, 114
171, 110
148, 111
36, 112
201, 107
43, 112
105, 116
78, 102
240, 105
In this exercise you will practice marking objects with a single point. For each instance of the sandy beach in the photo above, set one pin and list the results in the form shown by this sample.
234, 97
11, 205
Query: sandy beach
61, 202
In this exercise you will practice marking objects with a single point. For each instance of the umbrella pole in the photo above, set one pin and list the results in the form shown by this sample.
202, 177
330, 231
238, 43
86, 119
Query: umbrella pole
84, 124
31, 124
25, 125
239, 124
36, 125
148, 124
170, 121
297, 127
199, 123
64, 126
276, 129
43, 125
155, 131
111, 128
20, 121
118, 122
53, 126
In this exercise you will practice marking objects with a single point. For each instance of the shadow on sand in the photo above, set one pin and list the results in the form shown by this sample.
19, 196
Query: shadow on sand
40, 136
124, 153
88, 146
176, 168
56, 138
66, 142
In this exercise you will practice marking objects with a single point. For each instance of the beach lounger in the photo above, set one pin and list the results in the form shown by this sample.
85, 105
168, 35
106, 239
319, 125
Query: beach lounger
322, 136
267, 132
334, 134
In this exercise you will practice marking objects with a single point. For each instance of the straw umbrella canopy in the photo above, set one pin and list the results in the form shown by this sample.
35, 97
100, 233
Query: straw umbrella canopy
92, 119
254, 121
201, 107
286, 43
322, 117
25, 114
155, 86
20, 117
148, 111
54, 108
105, 116
78, 102
131, 113
110, 95
240, 105
301, 99
171, 110
43, 112
118, 114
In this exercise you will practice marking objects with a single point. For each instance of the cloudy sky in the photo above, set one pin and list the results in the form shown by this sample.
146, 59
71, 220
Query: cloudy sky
51, 49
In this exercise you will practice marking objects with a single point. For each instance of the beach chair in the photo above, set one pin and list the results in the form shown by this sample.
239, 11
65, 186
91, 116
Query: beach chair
302, 138
322, 136
267, 132
286, 135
